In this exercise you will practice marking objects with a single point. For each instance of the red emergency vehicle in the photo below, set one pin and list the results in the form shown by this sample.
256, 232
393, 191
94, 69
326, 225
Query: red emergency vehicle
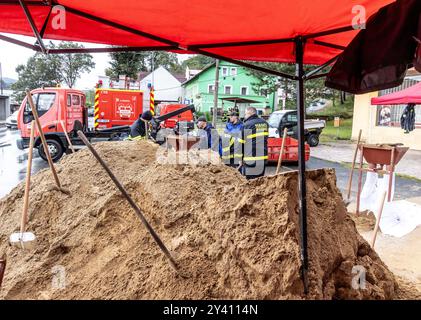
114, 107
171, 123
62, 109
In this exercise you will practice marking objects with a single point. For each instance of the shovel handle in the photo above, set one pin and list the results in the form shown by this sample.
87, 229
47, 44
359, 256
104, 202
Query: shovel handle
351, 172
281, 152
2, 269
67, 136
129, 200
43, 140
24, 219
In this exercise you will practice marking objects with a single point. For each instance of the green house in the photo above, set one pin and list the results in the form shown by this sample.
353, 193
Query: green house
235, 84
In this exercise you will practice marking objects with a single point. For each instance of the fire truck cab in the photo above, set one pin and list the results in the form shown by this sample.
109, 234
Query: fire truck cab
57, 107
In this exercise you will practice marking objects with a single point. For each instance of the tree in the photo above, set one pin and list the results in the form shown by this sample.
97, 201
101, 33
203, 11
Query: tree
71, 65
168, 60
38, 72
131, 63
126, 63
197, 62
313, 89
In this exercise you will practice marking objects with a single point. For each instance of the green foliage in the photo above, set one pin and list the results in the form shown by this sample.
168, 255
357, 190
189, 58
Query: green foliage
197, 62
70, 66
330, 133
207, 114
38, 72
50, 70
126, 63
90, 97
131, 63
344, 111
313, 88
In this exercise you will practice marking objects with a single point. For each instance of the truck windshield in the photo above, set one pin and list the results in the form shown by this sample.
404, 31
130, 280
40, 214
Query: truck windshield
275, 119
43, 101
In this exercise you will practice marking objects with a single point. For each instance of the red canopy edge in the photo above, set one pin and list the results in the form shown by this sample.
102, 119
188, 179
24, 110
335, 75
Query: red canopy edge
408, 95
229, 29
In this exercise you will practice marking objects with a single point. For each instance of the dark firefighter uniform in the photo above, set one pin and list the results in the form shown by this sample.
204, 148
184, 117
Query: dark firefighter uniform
138, 128
254, 138
232, 148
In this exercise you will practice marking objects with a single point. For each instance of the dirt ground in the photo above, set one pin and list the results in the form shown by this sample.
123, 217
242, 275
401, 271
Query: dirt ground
231, 238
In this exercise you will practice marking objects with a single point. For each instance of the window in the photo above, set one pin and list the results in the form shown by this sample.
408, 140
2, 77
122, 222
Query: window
390, 116
233, 71
263, 92
244, 91
224, 71
69, 100
227, 89
275, 119
291, 117
75, 100
211, 88
43, 102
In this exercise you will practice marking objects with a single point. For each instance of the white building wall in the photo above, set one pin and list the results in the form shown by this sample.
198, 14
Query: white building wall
167, 87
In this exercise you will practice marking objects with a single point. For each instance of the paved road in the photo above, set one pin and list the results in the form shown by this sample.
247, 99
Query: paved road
13, 161
13, 169
404, 188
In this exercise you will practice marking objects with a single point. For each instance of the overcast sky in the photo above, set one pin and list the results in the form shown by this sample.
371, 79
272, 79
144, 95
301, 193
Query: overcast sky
12, 55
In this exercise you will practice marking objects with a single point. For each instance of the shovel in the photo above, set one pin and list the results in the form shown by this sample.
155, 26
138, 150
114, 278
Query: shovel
2, 269
22, 239
135, 207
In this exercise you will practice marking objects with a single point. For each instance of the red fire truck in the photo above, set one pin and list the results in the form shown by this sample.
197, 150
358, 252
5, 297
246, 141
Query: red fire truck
62, 109
114, 107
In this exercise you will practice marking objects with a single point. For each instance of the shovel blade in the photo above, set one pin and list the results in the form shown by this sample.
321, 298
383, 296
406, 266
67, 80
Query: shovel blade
25, 240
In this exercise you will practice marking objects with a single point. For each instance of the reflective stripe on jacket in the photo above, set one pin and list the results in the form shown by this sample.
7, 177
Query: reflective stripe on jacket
255, 141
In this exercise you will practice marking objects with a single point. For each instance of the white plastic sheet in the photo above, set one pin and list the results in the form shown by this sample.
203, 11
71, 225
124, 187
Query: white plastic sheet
399, 217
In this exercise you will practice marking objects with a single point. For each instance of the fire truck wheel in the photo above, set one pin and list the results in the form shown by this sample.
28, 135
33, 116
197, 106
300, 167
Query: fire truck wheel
55, 148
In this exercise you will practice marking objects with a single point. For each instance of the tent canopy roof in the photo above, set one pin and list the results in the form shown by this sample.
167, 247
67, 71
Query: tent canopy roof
239, 100
408, 95
236, 29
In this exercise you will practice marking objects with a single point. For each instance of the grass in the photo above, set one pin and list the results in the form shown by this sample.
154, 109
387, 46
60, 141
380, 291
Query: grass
330, 133
345, 111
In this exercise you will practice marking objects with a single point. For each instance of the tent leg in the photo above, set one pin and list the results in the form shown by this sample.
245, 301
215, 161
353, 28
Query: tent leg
302, 191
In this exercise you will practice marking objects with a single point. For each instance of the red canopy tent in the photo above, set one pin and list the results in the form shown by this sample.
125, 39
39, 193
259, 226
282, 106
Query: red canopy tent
406, 96
294, 31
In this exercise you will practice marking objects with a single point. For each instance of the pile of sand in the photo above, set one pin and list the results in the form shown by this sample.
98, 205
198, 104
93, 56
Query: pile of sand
235, 239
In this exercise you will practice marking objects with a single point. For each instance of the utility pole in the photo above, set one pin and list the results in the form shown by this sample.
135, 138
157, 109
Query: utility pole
215, 94
1, 80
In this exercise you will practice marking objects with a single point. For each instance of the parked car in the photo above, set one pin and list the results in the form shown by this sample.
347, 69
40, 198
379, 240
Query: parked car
12, 120
317, 105
288, 119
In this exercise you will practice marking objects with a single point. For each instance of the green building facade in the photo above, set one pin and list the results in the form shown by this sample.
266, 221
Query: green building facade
234, 82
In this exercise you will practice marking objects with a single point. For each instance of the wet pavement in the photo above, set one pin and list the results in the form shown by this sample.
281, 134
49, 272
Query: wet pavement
404, 188
13, 161
13, 164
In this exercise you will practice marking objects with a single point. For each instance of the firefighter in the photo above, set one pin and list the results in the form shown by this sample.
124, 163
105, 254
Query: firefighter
234, 124
138, 128
206, 133
231, 147
254, 138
